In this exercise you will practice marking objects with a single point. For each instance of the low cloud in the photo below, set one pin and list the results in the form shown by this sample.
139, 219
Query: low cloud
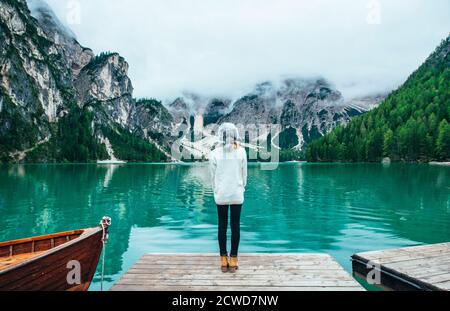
40, 9
225, 47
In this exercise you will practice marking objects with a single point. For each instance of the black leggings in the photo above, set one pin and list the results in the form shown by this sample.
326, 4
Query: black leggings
235, 222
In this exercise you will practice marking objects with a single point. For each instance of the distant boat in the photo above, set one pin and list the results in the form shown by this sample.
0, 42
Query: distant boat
111, 162
386, 161
43, 263
440, 163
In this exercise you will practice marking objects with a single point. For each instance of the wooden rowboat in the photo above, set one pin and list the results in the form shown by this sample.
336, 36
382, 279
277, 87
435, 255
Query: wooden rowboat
54, 262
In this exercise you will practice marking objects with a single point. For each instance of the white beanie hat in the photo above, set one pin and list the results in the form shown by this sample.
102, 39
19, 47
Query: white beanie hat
228, 133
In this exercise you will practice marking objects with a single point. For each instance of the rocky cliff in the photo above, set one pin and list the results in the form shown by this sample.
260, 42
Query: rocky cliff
36, 85
59, 102
105, 82
304, 109
74, 54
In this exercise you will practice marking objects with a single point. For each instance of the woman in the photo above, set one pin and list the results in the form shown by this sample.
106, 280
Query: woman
228, 164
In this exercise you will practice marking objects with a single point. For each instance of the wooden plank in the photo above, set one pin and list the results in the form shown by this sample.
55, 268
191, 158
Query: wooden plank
242, 273
407, 256
256, 272
231, 282
214, 259
421, 264
245, 255
444, 285
120, 287
426, 273
425, 250
6, 262
42, 237
242, 268
439, 278
425, 267
214, 263
257, 278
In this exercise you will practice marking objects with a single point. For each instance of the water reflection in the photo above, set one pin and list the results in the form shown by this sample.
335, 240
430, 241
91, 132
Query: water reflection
338, 209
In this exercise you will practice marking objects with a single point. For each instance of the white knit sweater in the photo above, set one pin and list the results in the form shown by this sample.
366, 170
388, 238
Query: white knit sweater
229, 174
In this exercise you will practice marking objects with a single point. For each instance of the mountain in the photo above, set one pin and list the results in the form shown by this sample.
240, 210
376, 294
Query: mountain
75, 55
59, 102
305, 109
151, 119
412, 124
36, 82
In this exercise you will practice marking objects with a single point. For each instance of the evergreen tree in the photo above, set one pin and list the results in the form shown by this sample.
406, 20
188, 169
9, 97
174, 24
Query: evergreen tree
412, 124
389, 144
443, 141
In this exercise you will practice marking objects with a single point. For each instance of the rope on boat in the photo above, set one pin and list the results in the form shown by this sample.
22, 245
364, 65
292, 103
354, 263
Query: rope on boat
105, 223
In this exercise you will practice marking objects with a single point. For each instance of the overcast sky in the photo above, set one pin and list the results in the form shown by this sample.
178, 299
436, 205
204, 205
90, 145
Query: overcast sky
219, 47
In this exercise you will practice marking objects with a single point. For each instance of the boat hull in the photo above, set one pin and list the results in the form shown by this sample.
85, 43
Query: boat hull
67, 267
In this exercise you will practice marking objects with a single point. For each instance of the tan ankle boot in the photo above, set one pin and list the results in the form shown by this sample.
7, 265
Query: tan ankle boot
224, 263
233, 264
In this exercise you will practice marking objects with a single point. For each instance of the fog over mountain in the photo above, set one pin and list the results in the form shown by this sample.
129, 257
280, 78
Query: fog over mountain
59, 102
225, 47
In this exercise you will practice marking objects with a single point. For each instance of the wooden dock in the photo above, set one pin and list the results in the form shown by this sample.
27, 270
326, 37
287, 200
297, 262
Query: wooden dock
257, 272
412, 268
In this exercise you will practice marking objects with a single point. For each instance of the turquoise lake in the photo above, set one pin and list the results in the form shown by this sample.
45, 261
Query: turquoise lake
339, 209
